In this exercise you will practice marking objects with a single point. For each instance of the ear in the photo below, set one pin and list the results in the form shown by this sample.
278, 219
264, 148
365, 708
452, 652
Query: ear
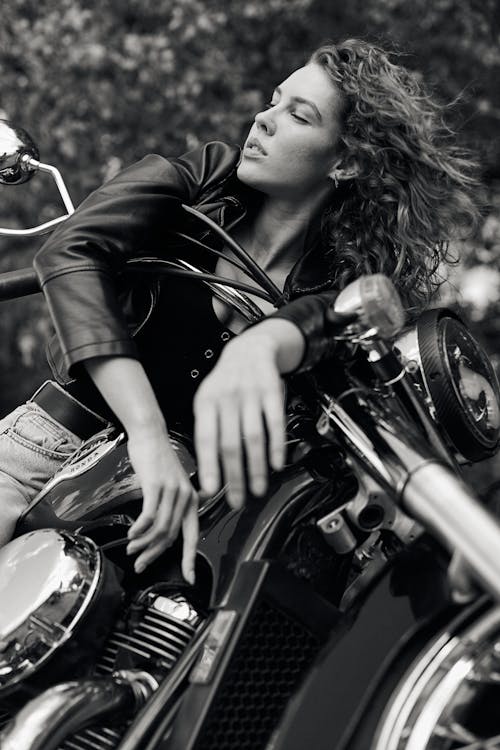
340, 170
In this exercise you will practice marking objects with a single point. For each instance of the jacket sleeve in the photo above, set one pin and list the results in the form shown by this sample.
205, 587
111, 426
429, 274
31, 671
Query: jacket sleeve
315, 317
79, 265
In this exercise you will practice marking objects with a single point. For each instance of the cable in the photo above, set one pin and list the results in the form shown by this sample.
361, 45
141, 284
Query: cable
156, 265
255, 271
212, 250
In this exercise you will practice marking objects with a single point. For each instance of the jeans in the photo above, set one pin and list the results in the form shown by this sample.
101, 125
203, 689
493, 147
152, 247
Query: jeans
33, 446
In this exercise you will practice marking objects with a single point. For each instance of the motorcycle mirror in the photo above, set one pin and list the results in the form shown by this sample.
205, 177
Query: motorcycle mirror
19, 159
17, 149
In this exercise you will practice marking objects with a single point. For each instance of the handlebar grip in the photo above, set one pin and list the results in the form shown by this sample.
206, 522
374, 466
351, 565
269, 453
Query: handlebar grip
19, 283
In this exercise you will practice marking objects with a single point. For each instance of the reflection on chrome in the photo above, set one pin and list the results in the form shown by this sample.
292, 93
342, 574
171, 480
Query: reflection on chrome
16, 150
448, 697
48, 579
47, 720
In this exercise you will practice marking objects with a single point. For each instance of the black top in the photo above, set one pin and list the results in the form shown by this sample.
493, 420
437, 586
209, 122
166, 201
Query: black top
178, 346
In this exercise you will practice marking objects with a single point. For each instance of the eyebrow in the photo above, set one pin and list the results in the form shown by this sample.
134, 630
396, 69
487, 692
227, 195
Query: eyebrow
301, 100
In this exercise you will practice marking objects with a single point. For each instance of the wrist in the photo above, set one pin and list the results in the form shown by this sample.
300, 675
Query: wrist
279, 339
142, 426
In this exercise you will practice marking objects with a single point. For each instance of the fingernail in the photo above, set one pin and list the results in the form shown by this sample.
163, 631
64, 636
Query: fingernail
139, 567
258, 486
236, 501
277, 461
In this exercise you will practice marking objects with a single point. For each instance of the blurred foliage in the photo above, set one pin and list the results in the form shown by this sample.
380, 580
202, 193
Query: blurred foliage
99, 84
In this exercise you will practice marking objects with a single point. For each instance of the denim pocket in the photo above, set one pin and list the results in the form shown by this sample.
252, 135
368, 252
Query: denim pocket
33, 428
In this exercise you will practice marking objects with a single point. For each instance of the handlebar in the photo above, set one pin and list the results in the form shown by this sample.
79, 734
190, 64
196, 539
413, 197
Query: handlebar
19, 283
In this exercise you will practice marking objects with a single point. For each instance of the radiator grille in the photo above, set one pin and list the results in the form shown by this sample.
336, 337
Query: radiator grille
270, 660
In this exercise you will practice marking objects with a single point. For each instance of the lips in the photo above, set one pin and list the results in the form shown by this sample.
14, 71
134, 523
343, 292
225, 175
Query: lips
253, 145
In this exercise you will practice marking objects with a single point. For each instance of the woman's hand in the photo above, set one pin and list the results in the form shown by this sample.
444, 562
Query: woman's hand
169, 497
169, 501
239, 410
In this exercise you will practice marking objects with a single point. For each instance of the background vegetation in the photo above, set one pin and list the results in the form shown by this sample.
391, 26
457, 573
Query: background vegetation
100, 83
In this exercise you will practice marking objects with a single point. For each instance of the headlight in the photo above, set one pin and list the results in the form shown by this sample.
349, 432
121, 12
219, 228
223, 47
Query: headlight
457, 380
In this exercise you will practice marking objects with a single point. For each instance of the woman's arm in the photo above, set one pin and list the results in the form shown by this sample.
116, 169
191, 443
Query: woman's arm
79, 265
239, 402
169, 498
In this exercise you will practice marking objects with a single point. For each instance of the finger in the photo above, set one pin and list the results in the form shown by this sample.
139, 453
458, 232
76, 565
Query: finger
150, 500
190, 532
274, 412
255, 445
185, 498
205, 440
158, 543
161, 524
231, 453
158, 538
150, 554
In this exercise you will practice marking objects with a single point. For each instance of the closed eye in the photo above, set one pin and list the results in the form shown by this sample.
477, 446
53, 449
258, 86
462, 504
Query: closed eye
297, 117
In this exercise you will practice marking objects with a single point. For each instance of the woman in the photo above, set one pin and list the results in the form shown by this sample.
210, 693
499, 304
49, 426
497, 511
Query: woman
348, 170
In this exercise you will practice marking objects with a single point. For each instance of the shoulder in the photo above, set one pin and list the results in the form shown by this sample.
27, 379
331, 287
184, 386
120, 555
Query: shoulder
212, 162
204, 166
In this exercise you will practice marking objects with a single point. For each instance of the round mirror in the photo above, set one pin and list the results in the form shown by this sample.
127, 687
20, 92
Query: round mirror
15, 143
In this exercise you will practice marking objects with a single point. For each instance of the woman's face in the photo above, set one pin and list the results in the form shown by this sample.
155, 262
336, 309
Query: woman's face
293, 143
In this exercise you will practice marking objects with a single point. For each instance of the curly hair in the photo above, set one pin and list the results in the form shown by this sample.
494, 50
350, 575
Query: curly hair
414, 188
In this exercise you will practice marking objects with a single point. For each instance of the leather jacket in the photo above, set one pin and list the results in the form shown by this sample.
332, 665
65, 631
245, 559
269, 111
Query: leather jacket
94, 304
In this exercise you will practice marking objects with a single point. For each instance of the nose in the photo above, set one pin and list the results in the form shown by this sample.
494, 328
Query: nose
266, 121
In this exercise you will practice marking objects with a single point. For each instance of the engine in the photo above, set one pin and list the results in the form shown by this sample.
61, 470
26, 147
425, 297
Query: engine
79, 654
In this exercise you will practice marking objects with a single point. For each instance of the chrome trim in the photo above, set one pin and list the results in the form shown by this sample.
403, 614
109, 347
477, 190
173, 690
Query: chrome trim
77, 504
37, 231
403, 463
85, 457
423, 701
408, 351
29, 165
48, 579
17, 148
179, 608
55, 173
47, 720
446, 507
234, 297
238, 299
374, 299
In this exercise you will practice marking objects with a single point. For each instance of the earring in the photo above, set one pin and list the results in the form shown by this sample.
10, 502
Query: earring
335, 180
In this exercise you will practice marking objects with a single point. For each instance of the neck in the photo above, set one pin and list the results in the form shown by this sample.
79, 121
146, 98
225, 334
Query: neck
279, 232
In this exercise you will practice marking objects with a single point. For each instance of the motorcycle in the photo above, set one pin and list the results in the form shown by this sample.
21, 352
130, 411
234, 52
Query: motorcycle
354, 607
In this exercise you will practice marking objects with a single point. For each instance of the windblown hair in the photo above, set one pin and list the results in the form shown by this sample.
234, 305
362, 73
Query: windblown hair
414, 188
